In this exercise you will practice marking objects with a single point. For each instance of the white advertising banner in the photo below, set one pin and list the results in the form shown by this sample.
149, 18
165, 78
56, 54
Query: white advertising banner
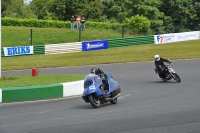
19, 50
176, 37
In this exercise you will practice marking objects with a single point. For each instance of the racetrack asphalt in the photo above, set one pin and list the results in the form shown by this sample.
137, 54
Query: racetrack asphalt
146, 105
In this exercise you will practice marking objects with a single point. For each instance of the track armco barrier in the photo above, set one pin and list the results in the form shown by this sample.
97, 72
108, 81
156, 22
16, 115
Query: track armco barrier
30, 93
140, 40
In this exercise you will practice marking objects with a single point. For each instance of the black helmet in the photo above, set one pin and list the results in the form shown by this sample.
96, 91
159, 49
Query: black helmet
94, 70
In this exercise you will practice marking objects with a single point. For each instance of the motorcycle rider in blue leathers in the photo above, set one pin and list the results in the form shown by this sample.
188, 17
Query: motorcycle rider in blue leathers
103, 76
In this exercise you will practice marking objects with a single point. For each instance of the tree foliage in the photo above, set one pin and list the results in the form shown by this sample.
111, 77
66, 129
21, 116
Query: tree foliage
16, 9
93, 10
164, 15
139, 23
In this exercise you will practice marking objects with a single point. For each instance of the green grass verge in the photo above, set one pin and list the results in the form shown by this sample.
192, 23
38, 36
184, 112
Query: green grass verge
16, 36
19, 36
28, 80
139, 53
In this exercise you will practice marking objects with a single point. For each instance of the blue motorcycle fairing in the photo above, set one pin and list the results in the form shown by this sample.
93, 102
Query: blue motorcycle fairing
113, 85
93, 87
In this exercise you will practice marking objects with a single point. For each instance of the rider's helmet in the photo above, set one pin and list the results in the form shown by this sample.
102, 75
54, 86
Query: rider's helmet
94, 70
157, 57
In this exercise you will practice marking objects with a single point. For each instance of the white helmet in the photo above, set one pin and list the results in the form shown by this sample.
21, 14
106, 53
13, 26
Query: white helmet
157, 57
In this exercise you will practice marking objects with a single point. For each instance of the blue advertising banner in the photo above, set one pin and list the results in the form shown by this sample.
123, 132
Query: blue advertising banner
95, 45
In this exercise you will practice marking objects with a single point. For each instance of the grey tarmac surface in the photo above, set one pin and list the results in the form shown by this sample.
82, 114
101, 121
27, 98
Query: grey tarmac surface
146, 105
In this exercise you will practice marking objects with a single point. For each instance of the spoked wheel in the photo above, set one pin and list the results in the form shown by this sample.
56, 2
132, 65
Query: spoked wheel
177, 78
94, 101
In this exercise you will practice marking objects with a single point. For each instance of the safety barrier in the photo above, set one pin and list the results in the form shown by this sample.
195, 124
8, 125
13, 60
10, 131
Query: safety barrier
77, 46
117, 42
63, 48
120, 42
39, 49
73, 88
30, 93
199, 34
16, 94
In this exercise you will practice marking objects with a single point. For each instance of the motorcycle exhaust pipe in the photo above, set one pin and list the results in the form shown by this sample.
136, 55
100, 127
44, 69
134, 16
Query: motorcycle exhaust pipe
110, 99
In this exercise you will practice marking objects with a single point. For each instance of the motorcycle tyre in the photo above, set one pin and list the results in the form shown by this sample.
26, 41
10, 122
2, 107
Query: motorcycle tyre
177, 78
114, 101
94, 101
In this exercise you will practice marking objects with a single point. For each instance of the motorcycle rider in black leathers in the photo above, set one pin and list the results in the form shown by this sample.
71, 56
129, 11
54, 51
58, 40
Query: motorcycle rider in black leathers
160, 66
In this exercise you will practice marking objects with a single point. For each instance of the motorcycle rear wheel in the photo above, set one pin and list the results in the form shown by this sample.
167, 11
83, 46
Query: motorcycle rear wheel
94, 101
114, 101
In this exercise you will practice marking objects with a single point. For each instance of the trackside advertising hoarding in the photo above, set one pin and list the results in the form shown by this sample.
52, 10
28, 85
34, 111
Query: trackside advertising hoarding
176, 37
95, 45
19, 50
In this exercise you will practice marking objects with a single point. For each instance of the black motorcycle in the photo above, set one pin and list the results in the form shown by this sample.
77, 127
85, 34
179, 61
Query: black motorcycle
169, 73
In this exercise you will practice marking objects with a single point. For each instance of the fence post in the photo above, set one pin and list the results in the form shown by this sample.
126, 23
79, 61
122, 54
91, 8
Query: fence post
31, 37
122, 31
79, 39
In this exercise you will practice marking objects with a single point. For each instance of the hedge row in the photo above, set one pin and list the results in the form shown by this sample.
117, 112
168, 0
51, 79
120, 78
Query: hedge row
52, 23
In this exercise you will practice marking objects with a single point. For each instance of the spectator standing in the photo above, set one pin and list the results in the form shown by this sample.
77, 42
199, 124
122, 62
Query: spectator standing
78, 20
72, 22
83, 23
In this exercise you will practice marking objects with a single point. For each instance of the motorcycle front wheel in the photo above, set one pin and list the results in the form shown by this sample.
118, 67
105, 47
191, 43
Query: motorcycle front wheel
177, 78
94, 101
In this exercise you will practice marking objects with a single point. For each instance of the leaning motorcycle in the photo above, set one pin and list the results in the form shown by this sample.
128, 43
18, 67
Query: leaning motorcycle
94, 94
169, 73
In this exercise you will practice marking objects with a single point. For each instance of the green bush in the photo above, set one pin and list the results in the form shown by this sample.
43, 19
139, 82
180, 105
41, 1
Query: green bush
137, 23
53, 23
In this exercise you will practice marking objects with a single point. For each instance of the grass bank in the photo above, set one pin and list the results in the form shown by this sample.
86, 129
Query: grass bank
178, 50
27, 80
19, 36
